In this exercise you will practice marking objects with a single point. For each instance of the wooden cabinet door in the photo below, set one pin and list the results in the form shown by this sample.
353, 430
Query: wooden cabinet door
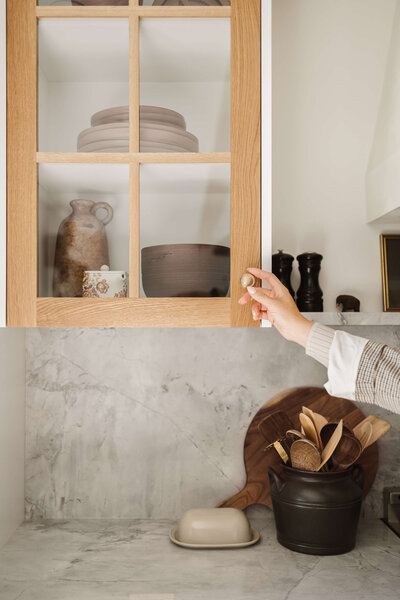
25, 307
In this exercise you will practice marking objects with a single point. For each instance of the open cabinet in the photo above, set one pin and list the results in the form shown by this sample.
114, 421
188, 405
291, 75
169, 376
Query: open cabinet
202, 67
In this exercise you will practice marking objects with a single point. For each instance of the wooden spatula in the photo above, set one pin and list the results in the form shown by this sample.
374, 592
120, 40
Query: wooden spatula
273, 428
318, 420
309, 430
332, 443
364, 432
379, 428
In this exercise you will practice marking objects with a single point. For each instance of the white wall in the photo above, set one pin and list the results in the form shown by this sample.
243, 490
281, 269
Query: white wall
329, 60
12, 430
2, 163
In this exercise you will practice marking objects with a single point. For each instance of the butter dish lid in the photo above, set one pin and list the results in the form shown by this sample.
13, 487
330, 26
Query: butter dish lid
214, 528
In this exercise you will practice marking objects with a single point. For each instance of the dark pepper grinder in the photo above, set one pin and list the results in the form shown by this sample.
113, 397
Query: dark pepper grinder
309, 294
282, 268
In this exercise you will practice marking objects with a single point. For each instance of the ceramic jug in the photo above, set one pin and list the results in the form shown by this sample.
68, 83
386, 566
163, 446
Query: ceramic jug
81, 246
317, 512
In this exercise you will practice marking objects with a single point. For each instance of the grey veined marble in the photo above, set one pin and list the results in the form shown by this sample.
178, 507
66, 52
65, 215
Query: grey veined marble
150, 422
134, 560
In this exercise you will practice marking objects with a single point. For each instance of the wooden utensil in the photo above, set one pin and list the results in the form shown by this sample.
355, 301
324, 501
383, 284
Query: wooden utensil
329, 428
292, 435
365, 433
309, 429
329, 448
318, 420
304, 455
274, 428
256, 489
346, 453
379, 428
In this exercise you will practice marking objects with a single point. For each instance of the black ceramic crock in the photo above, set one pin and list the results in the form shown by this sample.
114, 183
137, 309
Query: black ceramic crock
317, 512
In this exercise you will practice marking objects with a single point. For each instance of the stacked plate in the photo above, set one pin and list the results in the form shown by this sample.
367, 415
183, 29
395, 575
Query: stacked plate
161, 130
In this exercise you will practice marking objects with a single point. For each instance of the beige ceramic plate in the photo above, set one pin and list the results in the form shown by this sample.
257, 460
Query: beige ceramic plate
255, 538
156, 147
104, 148
161, 136
147, 113
104, 132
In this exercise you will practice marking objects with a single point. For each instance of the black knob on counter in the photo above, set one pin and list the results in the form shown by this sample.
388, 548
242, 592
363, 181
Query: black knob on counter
282, 268
309, 294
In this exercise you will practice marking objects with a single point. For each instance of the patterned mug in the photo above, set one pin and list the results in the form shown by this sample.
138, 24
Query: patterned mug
105, 283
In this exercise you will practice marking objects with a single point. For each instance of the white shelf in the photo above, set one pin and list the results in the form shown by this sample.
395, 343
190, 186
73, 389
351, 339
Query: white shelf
333, 318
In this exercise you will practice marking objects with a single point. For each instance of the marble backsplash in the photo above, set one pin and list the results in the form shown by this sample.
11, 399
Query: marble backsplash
144, 423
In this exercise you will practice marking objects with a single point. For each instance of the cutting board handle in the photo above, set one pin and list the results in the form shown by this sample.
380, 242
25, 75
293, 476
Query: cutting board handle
246, 497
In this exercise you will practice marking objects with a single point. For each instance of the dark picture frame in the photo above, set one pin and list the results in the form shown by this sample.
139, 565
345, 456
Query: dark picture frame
390, 260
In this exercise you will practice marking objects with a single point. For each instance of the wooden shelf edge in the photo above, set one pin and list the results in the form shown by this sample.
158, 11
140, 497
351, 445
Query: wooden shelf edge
118, 12
133, 157
133, 312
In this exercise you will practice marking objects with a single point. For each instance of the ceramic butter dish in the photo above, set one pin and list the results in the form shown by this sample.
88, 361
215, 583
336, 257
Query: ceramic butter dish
214, 528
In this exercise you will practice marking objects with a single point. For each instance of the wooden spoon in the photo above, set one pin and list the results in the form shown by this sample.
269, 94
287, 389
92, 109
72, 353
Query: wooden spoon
309, 429
305, 455
292, 435
332, 443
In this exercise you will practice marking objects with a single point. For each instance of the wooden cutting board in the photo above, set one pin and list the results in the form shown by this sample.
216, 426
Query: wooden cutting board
256, 460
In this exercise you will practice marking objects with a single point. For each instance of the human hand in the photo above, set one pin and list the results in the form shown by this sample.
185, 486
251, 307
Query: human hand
277, 305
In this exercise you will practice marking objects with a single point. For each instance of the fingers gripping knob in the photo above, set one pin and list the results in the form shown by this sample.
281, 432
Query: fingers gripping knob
247, 280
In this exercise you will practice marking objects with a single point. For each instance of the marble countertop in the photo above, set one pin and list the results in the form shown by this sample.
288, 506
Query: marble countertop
134, 560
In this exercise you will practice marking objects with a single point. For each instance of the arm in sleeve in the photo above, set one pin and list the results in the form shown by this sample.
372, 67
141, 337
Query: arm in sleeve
341, 353
358, 369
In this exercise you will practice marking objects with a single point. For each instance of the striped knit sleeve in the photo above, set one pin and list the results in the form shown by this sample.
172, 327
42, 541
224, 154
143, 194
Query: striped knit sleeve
378, 376
319, 342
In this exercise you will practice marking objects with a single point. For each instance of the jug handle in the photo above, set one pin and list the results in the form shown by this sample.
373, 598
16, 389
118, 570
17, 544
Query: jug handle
110, 213
275, 480
358, 475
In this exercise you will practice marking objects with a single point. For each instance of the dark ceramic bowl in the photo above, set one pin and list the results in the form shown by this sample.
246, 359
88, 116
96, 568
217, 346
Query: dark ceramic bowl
185, 270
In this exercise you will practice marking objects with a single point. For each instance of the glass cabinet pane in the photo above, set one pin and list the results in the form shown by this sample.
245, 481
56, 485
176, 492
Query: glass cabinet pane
83, 69
185, 67
185, 230
91, 201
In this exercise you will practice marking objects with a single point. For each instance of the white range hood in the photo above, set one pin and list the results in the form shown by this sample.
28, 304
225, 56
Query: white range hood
383, 174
